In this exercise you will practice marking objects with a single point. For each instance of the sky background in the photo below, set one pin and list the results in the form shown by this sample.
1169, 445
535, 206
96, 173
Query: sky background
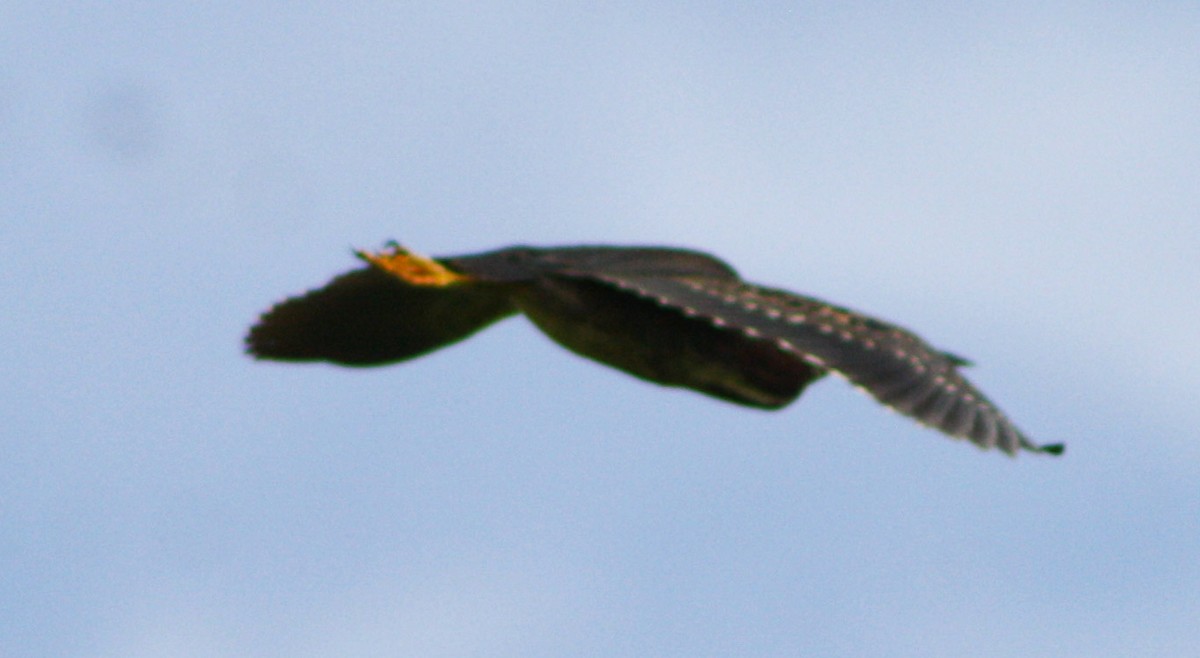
1019, 183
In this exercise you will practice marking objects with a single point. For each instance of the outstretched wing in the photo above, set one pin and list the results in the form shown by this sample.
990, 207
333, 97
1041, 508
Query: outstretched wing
892, 364
561, 292
524, 264
660, 344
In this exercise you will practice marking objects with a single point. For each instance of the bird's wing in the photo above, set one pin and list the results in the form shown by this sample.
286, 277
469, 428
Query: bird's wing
660, 344
639, 262
890, 363
522, 264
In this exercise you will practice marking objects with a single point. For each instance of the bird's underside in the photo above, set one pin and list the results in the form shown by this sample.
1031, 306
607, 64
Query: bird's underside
670, 316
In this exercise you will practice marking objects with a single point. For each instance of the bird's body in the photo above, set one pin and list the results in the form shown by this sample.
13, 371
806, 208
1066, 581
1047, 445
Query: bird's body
671, 316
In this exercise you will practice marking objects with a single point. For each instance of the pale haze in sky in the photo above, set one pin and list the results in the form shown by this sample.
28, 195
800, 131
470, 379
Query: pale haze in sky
1019, 184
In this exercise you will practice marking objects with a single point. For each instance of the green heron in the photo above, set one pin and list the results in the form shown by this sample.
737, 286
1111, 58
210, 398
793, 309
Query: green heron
670, 316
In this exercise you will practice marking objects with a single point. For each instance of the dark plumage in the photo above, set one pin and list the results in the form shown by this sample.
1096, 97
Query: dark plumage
670, 316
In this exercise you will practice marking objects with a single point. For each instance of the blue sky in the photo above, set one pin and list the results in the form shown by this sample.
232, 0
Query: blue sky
1017, 183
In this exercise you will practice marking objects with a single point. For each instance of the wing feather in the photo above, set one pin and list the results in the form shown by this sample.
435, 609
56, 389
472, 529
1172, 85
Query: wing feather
890, 363
659, 343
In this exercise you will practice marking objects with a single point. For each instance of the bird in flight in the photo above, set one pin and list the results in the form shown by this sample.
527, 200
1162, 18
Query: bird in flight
671, 316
